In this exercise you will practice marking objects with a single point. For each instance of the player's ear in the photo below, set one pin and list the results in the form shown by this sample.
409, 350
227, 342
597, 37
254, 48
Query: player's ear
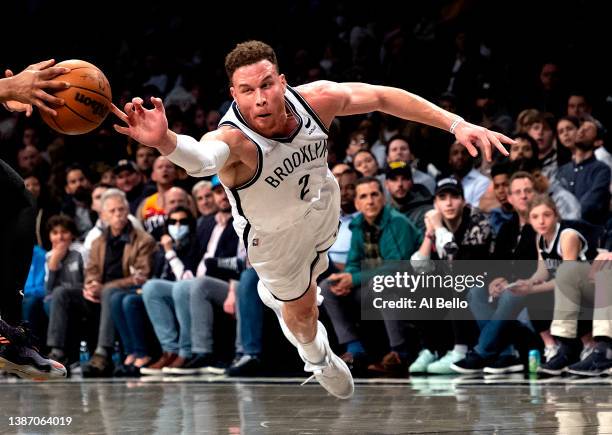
233, 92
283, 80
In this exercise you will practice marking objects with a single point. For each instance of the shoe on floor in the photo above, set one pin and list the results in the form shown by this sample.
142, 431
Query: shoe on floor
166, 359
559, 358
597, 363
425, 358
245, 366
391, 365
197, 364
472, 364
505, 364
171, 369
98, 366
443, 365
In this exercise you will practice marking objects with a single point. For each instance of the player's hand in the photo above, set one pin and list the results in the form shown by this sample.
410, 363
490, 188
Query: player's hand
523, 287
473, 136
26, 89
147, 126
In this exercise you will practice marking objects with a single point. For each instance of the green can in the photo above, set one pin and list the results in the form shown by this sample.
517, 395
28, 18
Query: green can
534, 360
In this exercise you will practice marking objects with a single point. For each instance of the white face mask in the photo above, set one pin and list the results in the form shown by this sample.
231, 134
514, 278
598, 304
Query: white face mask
177, 232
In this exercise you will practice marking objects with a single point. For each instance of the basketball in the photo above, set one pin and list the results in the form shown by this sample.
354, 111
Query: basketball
86, 103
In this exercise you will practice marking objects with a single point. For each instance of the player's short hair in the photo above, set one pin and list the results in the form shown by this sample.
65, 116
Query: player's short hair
248, 53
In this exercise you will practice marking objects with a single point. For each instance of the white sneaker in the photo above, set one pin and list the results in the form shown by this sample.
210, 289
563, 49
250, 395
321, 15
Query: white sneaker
332, 373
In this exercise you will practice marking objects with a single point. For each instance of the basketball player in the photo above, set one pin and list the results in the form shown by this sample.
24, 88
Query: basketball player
18, 353
270, 153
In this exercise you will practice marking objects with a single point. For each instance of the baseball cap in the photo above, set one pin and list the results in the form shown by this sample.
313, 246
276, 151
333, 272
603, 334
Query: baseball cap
125, 165
449, 184
398, 168
215, 181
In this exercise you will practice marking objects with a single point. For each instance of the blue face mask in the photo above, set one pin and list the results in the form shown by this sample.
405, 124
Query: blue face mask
178, 232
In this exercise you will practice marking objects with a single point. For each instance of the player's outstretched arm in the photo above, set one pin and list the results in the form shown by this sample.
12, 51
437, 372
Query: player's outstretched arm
338, 99
150, 127
18, 93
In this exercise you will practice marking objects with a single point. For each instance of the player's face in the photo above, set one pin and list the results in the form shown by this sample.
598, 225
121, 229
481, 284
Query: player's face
398, 151
259, 92
543, 219
450, 205
398, 186
521, 194
205, 201
369, 200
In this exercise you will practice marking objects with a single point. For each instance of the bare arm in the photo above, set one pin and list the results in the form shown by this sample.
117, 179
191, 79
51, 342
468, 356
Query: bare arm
331, 99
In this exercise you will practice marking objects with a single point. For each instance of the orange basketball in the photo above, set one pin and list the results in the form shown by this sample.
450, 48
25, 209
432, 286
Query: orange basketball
86, 102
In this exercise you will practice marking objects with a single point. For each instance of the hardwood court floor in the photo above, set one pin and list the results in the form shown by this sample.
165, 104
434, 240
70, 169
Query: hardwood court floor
280, 406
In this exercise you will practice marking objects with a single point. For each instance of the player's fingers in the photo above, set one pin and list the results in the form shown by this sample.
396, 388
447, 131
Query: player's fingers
158, 104
128, 109
499, 145
54, 84
43, 96
42, 65
471, 148
29, 110
137, 101
120, 129
8, 73
118, 113
485, 146
53, 72
44, 108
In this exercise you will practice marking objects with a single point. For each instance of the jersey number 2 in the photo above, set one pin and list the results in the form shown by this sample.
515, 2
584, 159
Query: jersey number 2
304, 180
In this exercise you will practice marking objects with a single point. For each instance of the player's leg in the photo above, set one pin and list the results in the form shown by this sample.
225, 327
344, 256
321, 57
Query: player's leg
18, 352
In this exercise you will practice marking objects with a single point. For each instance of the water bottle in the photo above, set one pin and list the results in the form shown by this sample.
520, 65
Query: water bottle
83, 353
117, 355
534, 360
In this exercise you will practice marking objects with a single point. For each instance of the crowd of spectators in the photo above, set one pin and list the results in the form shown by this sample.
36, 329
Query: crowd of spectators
137, 258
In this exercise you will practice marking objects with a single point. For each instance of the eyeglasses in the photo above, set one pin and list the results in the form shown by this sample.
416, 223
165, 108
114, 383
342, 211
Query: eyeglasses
171, 221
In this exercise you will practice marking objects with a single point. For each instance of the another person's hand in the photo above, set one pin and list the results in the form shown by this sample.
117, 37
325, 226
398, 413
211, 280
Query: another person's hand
523, 287
138, 278
166, 242
434, 217
27, 88
497, 286
473, 136
603, 261
58, 252
342, 283
229, 305
147, 126
92, 290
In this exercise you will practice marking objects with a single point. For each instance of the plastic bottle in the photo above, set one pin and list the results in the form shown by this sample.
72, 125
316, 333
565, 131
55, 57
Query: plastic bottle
83, 353
534, 360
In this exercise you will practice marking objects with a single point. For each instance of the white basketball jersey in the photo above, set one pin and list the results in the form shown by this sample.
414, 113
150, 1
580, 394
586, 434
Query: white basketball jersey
291, 171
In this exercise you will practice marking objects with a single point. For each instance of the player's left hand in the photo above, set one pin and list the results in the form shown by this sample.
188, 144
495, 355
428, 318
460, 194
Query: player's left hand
473, 137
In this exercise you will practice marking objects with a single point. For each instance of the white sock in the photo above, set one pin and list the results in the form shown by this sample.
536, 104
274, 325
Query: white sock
460, 348
314, 352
